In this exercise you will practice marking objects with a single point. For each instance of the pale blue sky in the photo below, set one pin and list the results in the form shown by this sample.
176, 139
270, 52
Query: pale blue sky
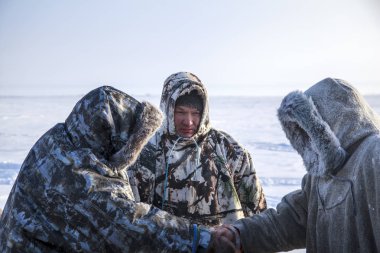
253, 47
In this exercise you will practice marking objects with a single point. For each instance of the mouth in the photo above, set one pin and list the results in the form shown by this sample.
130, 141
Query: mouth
187, 131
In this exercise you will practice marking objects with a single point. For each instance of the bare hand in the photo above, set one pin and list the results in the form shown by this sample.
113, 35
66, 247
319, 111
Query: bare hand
225, 239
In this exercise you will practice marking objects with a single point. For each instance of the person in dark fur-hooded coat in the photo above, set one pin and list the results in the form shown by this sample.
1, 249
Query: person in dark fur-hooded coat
338, 207
72, 193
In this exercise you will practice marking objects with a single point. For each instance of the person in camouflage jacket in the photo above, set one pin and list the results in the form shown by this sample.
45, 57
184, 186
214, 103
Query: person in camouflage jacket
208, 177
72, 193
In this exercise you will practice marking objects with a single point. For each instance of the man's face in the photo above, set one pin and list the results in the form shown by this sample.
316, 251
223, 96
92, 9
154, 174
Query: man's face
186, 120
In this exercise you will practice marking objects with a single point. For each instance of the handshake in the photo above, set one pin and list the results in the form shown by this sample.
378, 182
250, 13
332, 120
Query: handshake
224, 239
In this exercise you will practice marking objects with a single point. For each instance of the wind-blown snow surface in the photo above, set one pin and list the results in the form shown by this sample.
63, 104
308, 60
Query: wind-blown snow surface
252, 121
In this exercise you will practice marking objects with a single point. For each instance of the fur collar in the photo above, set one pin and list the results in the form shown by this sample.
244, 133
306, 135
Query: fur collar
148, 121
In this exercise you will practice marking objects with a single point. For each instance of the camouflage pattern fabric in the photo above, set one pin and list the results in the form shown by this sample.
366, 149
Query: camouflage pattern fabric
208, 178
72, 193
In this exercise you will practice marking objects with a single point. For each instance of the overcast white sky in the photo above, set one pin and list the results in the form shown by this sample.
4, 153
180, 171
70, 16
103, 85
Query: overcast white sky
253, 47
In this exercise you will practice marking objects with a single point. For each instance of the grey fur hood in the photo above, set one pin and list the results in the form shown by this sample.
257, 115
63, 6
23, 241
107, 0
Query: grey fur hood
320, 130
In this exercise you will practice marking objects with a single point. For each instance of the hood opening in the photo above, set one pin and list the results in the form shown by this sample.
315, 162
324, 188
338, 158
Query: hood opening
310, 135
175, 86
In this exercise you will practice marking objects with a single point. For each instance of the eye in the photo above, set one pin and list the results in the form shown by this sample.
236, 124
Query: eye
179, 112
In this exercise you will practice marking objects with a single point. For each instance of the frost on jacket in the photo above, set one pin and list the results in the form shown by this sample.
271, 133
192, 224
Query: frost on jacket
338, 207
72, 193
208, 178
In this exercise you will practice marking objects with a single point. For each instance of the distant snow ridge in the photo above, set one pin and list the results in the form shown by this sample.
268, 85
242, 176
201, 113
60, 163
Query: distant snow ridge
8, 172
283, 147
272, 201
280, 181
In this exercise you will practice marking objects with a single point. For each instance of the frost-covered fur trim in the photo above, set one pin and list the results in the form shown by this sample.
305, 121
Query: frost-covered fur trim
146, 125
310, 135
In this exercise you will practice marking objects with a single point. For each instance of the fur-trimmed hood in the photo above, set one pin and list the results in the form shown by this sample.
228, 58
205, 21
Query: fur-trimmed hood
325, 122
175, 86
114, 125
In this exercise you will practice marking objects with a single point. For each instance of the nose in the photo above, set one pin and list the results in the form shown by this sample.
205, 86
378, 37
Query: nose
188, 120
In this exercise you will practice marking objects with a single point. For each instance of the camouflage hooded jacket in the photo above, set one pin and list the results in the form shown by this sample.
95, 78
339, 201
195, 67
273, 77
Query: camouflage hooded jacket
208, 178
72, 193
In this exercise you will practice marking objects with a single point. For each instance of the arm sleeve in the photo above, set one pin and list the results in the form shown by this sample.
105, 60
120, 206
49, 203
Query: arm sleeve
84, 207
125, 224
249, 187
274, 230
108, 220
130, 226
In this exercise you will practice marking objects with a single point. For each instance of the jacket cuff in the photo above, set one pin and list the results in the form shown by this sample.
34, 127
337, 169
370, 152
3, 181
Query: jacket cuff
201, 238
